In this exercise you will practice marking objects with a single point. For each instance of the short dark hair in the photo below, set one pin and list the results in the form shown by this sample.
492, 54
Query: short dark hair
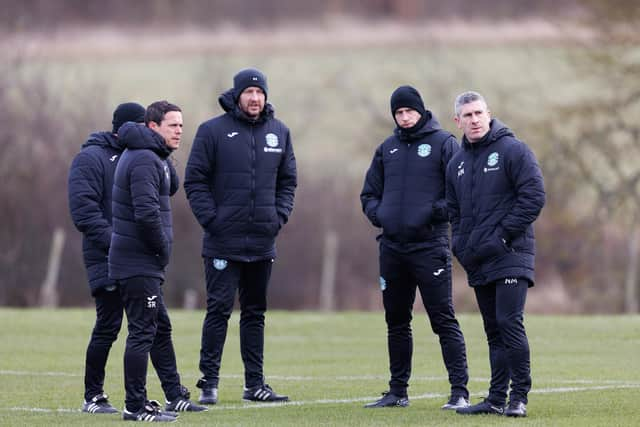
157, 110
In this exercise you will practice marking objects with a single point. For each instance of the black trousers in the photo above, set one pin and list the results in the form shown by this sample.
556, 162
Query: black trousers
109, 313
501, 304
223, 278
149, 335
430, 271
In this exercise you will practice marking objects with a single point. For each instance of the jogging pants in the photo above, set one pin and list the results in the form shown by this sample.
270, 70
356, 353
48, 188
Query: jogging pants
149, 334
109, 313
501, 304
223, 278
430, 271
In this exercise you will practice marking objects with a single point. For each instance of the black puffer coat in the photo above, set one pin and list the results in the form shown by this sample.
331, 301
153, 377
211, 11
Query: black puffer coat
495, 192
240, 180
142, 226
89, 192
404, 188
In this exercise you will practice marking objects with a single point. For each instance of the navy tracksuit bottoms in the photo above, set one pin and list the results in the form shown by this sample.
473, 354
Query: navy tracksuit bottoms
224, 278
430, 271
501, 304
149, 335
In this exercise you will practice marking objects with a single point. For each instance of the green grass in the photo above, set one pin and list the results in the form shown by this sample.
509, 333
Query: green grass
586, 371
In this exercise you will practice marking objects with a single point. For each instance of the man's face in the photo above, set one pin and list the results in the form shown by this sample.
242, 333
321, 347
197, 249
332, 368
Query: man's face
406, 117
252, 101
474, 120
170, 128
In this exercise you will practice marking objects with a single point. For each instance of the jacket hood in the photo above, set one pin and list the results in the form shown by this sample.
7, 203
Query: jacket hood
137, 136
497, 130
104, 139
229, 105
427, 124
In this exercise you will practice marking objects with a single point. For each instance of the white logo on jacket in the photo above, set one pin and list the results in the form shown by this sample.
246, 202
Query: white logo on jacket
232, 134
424, 150
272, 142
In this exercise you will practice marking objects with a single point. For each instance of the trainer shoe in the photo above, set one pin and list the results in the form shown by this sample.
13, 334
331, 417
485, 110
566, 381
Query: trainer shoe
516, 409
389, 399
148, 413
208, 395
455, 402
157, 406
182, 403
484, 407
262, 393
99, 405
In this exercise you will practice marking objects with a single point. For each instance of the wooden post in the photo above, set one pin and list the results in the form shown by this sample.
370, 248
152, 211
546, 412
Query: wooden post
329, 268
49, 289
631, 282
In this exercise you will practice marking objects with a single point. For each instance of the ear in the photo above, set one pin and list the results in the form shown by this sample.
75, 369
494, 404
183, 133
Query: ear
457, 120
153, 125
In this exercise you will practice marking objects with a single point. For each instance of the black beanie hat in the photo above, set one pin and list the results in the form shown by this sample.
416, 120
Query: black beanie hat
127, 112
406, 96
247, 78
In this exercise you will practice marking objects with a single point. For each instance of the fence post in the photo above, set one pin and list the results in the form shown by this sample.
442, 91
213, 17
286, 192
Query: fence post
329, 268
49, 288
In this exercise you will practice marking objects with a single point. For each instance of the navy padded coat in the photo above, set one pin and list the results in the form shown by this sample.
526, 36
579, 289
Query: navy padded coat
142, 225
89, 193
495, 192
240, 181
404, 188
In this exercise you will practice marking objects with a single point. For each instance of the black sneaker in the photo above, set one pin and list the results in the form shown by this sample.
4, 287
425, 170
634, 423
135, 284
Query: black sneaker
484, 407
148, 413
262, 393
158, 407
99, 405
516, 409
389, 399
182, 403
455, 402
208, 395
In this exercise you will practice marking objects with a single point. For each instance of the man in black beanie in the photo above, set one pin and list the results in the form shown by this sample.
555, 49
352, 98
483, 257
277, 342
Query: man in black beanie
89, 192
404, 195
240, 181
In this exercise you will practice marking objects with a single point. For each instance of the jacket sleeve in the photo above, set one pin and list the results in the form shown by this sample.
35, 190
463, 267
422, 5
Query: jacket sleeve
371, 194
449, 148
175, 179
524, 172
453, 207
198, 177
85, 192
286, 183
145, 178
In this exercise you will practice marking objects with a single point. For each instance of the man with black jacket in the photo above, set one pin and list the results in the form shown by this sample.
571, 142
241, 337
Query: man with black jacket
240, 180
404, 194
495, 192
138, 256
89, 192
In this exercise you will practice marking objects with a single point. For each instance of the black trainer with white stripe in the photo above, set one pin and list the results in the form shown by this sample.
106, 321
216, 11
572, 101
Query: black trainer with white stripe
263, 393
183, 404
148, 413
99, 405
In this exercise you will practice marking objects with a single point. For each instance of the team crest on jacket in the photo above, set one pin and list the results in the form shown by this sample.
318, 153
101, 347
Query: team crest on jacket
493, 159
272, 142
424, 150
219, 264
166, 172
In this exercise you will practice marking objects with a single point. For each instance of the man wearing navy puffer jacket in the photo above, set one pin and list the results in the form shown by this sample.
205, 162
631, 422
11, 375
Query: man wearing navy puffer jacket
240, 181
495, 192
138, 256
404, 194
89, 191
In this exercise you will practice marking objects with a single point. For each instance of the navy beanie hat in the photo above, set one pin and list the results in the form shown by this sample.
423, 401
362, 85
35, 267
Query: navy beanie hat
127, 112
406, 96
247, 78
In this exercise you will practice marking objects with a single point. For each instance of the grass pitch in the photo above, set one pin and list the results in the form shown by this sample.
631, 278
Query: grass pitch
586, 371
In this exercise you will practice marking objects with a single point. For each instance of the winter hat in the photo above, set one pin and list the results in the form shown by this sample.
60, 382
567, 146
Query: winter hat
127, 112
406, 96
247, 78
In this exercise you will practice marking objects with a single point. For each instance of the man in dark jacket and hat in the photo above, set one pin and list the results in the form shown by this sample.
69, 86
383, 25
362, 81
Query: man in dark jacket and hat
403, 194
89, 191
494, 193
139, 254
240, 180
